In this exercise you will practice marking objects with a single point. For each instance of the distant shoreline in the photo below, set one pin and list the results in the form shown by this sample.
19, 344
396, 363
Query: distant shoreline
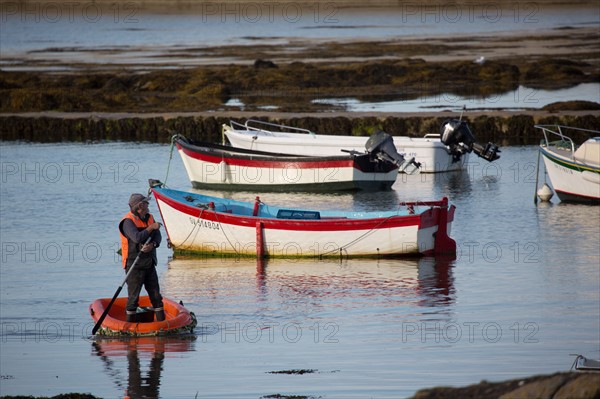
357, 3
513, 45
201, 6
133, 92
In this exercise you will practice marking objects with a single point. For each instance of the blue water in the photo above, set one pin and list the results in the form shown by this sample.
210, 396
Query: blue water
70, 30
521, 296
519, 99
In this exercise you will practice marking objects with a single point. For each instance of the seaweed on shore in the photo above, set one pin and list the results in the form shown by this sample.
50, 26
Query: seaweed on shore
507, 130
290, 87
294, 371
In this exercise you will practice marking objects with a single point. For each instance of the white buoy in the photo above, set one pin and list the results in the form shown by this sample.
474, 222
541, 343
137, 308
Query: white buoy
545, 193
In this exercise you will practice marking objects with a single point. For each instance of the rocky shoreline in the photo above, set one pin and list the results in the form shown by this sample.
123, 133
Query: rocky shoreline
568, 385
555, 386
503, 129
46, 97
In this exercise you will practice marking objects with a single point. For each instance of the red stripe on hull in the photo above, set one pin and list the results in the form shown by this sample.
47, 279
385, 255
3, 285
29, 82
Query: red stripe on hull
266, 163
567, 196
303, 225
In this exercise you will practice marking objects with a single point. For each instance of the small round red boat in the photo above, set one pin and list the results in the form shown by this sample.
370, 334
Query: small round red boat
178, 320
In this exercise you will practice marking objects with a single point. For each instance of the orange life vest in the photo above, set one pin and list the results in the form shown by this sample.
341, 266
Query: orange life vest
140, 224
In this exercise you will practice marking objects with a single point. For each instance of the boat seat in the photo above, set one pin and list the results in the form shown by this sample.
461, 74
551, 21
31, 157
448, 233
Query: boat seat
145, 314
301, 215
589, 152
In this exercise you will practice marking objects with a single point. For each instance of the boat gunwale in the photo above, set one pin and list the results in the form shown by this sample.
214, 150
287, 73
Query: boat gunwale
244, 153
390, 219
564, 138
567, 162
325, 139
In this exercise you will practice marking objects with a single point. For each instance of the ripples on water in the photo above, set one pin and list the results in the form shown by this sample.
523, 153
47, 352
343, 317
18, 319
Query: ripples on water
522, 294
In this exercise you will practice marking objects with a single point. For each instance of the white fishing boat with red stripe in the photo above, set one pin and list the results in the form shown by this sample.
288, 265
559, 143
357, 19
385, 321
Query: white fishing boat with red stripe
224, 167
202, 224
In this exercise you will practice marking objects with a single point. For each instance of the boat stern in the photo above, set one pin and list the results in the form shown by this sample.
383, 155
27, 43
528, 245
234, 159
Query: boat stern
434, 230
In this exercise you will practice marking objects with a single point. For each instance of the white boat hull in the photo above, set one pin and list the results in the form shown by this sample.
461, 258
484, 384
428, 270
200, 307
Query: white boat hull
572, 179
202, 230
207, 169
569, 182
429, 151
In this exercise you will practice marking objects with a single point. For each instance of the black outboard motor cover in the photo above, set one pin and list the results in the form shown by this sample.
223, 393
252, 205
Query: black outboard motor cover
454, 132
457, 135
381, 145
383, 142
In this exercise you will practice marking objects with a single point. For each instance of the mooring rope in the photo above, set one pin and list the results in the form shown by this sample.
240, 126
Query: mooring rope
199, 219
357, 239
173, 138
225, 234
193, 228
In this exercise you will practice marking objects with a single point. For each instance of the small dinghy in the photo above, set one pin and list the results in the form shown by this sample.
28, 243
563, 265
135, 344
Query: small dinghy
178, 320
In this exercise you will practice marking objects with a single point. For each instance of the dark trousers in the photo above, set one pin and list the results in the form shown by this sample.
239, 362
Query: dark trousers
147, 278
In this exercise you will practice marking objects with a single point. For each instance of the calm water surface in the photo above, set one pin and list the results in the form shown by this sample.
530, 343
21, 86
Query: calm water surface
522, 294
521, 98
70, 30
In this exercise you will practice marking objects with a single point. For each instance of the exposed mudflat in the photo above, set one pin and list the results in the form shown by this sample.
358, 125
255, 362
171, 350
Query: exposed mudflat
290, 77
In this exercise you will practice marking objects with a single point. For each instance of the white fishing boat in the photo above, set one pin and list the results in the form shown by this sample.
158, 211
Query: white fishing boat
573, 170
202, 224
224, 167
445, 152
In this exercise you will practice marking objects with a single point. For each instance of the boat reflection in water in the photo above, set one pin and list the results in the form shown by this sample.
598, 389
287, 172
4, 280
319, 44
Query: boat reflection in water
436, 283
276, 288
145, 357
259, 294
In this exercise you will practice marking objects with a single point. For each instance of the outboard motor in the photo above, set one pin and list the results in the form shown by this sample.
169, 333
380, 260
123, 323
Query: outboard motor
381, 145
457, 135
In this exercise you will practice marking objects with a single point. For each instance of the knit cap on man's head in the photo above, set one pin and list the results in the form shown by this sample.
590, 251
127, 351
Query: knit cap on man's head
136, 199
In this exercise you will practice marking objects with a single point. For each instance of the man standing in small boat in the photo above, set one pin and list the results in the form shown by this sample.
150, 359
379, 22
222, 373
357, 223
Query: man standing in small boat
135, 227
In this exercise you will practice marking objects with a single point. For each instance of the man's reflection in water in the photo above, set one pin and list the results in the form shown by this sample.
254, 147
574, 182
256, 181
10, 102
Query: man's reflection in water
138, 385
143, 376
